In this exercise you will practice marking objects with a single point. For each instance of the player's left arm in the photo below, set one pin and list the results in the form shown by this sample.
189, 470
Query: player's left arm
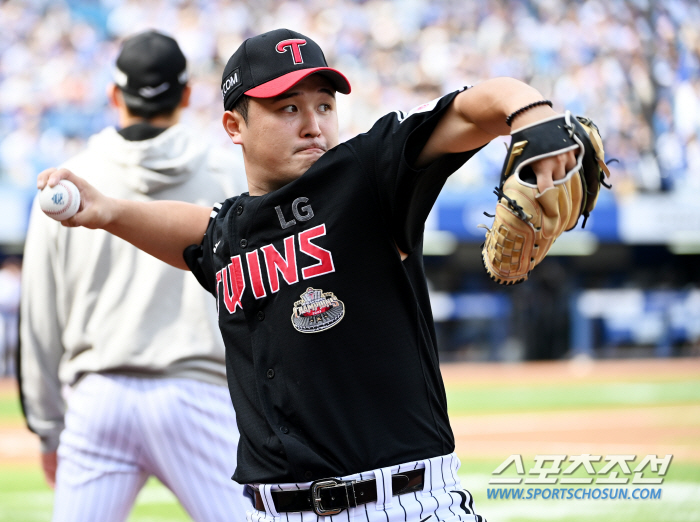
478, 115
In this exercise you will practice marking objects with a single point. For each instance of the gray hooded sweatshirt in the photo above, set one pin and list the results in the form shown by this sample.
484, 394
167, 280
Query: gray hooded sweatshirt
92, 302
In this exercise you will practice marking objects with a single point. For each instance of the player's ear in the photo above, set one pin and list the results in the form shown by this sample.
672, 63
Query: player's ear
185, 98
114, 96
233, 123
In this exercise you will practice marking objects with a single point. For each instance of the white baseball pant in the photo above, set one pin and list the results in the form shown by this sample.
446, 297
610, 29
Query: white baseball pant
120, 430
442, 499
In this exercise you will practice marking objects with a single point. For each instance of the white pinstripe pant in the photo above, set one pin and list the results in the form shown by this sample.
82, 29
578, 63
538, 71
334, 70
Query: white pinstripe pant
120, 430
442, 498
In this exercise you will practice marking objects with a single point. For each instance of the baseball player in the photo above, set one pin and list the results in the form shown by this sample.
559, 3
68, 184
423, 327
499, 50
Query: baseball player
129, 341
318, 277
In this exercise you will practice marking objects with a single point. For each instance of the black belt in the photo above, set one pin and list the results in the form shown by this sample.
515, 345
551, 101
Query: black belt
330, 496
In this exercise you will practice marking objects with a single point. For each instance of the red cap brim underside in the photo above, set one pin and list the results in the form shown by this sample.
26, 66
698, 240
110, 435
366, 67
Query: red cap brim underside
279, 85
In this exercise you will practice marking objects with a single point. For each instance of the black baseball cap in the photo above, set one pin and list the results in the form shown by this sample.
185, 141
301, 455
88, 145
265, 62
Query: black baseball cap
151, 71
266, 65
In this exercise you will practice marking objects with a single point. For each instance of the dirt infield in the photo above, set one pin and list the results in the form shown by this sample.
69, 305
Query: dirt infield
582, 369
8, 387
641, 430
672, 430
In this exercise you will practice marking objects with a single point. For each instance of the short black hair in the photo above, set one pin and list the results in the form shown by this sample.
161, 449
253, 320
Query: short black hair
151, 111
241, 107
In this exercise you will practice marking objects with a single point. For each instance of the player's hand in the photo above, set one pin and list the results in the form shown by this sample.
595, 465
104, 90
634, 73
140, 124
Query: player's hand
95, 208
49, 462
549, 169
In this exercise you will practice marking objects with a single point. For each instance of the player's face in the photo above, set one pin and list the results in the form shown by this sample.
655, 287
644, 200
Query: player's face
287, 134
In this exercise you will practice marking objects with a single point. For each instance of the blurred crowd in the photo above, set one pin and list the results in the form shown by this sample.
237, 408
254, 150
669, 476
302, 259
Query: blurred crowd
10, 274
633, 66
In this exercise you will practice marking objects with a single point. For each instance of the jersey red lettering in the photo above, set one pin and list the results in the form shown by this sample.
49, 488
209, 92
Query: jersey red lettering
218, 282
325, 258
275, 262
234, 284
255, 274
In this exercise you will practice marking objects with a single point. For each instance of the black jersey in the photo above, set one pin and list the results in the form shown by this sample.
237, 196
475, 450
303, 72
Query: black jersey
330, 344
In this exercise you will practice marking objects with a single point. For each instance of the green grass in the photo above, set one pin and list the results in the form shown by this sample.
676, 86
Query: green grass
680, 497
499, 398
25, 497
10, 409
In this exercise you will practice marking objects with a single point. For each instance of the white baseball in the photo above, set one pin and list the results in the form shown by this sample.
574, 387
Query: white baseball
60, 202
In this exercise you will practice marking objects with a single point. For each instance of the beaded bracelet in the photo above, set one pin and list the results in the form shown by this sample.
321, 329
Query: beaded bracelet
510, 118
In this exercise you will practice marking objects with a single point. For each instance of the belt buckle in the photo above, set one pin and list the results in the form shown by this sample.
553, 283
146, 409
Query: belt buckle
316, 496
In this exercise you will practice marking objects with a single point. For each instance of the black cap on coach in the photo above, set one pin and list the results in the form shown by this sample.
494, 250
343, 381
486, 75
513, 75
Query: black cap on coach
151, 72
268, 64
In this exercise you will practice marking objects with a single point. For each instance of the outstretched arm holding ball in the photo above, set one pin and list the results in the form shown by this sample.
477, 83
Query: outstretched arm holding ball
122, 330
163, 229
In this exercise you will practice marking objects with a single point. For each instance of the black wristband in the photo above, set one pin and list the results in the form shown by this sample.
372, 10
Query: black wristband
512, 116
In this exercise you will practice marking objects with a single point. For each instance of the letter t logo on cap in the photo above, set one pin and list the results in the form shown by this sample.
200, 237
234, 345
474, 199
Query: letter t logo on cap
294, 45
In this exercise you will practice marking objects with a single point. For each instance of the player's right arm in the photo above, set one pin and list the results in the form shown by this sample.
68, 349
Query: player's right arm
160, 228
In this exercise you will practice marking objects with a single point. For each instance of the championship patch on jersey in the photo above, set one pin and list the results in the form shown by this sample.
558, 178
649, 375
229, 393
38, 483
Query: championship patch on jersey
317, 311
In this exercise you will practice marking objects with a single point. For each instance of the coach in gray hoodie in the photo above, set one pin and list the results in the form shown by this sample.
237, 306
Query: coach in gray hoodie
122, 364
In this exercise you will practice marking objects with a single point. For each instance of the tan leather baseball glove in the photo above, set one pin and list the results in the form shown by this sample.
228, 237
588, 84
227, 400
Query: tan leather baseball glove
527, 223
